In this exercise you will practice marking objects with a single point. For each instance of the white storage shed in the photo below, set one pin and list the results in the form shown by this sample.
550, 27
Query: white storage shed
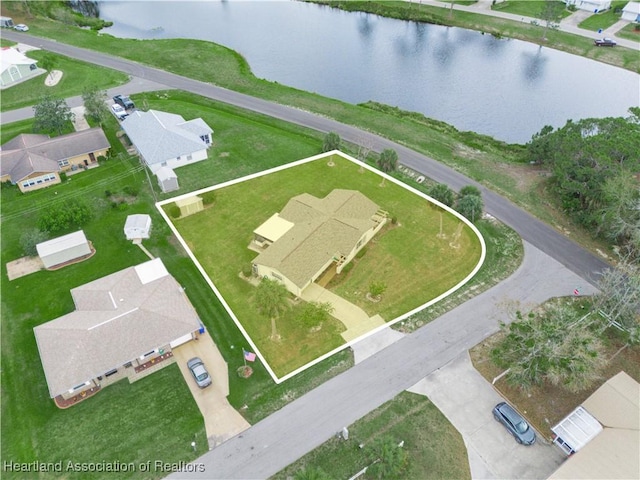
63, 249
137, 227
167, 179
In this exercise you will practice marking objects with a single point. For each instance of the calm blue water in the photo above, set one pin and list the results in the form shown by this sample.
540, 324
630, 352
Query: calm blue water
505, 88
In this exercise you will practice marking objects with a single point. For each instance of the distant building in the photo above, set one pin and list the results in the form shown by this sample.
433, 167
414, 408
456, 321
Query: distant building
631, 12
311, 235
15, 67
594, 6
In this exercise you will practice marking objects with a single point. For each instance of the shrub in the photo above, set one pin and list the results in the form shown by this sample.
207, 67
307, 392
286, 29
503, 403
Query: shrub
208, 197
131, 191
29, 240
377, 288
331, 141
174, 211
247, 270
73, 213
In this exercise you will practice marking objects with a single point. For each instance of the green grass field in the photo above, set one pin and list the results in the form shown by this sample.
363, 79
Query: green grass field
408, 257
526, 8
435, 448
77, 76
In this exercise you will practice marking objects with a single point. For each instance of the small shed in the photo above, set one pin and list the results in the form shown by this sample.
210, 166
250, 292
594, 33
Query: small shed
137, 227
189, 206
67, 248
167, 179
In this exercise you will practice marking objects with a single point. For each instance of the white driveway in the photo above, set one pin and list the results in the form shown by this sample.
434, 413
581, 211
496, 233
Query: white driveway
467, 399
221, 420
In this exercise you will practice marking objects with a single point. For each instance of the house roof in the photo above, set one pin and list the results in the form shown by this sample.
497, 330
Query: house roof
613, 453
28, 153
10, 56
117, 319
633, 7
323, 229
161, 136
274, 228
59, 244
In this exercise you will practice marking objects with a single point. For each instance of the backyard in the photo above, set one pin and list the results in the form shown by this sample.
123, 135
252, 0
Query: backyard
415, 265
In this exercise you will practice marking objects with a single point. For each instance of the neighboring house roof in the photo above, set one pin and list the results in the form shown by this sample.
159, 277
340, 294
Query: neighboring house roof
632, 7
60, 244
117, 319
323, 228
28, 153
11, 56
162, 136
613, 453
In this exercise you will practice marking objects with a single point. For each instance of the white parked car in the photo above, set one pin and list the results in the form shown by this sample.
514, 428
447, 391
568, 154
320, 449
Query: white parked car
119, 112
21, 27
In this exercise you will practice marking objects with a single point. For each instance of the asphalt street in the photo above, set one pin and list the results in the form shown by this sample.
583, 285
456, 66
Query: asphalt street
529, 228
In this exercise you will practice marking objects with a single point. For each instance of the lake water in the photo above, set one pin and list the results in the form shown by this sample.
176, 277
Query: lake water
505, 88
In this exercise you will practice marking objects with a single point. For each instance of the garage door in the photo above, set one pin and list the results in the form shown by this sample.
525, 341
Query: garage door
181, 340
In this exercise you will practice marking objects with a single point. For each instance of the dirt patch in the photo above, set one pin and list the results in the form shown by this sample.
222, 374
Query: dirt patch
24, 266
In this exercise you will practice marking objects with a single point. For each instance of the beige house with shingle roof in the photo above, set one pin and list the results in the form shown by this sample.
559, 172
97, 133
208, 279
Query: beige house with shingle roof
122, 322
311, 235
34, 161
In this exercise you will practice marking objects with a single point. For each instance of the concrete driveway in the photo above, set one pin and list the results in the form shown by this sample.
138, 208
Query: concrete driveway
221, 420
467, 399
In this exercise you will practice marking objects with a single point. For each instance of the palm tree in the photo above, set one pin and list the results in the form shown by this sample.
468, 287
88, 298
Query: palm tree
388, 160
389, 458
271, 297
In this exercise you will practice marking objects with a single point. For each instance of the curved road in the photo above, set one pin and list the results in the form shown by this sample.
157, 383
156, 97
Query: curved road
528, 227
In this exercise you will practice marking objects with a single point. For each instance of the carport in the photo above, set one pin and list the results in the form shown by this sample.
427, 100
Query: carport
221, 420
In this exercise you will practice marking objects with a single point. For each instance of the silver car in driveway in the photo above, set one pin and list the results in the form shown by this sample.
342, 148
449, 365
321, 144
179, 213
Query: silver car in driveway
514, 423
199, 372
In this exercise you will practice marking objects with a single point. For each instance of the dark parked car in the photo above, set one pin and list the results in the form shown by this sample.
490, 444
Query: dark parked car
605, 42
199, 372
514, 423
124, 101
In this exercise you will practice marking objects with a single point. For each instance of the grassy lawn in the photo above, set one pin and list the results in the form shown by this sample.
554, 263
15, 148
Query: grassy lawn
77, 76
526, 8
434, 447
408, 257
630, 32
605, 19
546, 405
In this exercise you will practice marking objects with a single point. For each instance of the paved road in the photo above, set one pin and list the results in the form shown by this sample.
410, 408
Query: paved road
529, 228
280, 439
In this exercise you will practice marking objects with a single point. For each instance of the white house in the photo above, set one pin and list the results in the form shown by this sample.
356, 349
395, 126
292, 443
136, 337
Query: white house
631, 12
594, 6
167, 140
58, 251
15, 67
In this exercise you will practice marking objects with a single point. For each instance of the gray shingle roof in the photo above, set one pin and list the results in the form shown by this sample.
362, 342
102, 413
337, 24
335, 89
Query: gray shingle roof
117, 319
323, 228
162, 136
28, 153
